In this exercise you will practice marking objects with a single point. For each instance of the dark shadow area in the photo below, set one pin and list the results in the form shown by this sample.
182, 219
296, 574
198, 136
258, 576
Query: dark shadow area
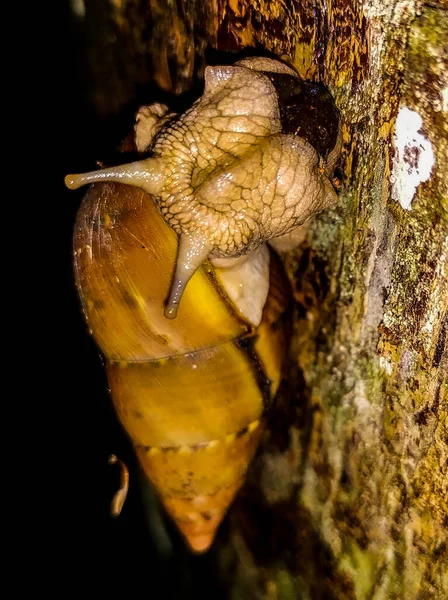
78, 546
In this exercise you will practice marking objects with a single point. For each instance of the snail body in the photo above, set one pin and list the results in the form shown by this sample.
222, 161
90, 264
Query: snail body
237, 170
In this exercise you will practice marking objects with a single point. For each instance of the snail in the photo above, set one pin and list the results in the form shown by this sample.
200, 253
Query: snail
177, 282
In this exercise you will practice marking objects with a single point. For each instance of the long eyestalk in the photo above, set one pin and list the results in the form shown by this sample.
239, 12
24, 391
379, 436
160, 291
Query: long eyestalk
145, 174
191, 254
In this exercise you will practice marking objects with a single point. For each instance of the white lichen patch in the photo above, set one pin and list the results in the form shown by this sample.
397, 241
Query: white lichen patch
407, 363
414, 157
386, 365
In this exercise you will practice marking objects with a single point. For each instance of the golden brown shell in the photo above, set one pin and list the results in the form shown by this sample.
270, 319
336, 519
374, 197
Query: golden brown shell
192, 392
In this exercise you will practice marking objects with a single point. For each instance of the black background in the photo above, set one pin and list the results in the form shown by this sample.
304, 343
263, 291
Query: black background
64, 540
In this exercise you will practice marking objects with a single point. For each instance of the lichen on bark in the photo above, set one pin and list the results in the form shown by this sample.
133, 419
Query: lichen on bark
370, 331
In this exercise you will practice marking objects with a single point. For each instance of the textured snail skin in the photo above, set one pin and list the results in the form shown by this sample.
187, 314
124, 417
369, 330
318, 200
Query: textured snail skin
249, 163
237, 169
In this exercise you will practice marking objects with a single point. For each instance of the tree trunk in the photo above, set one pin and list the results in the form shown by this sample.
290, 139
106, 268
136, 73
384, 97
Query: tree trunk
347, 497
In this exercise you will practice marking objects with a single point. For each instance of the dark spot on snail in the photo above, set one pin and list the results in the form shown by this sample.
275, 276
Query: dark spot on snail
241, 432
128, 299
99, 304
307, 110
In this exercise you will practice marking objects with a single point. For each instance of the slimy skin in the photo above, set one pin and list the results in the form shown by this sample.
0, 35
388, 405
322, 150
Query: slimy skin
236, 170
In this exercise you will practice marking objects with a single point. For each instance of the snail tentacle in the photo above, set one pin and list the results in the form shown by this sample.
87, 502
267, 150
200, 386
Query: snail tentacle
146, 174
148, 122
192, 252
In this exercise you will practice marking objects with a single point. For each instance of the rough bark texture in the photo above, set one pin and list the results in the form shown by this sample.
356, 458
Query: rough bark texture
348, 495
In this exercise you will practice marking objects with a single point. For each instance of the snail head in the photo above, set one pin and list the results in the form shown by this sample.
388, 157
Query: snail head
223, 174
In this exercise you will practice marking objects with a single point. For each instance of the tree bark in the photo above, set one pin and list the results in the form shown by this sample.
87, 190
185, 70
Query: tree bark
347, 497
356, 505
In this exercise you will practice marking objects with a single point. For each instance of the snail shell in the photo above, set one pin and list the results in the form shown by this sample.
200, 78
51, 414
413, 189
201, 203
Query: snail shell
192, 392
249, 163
